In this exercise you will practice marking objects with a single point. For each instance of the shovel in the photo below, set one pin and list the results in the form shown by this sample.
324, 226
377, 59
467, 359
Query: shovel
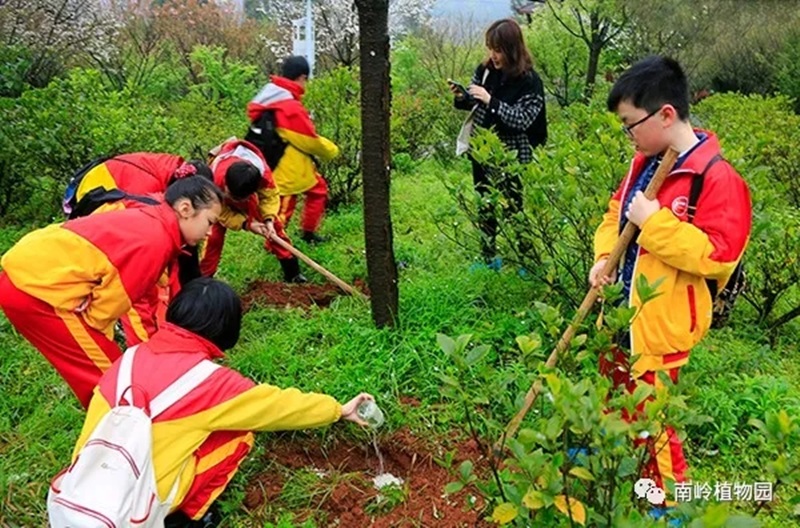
624, 239
328, 275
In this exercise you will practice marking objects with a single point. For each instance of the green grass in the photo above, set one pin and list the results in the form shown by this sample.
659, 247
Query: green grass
338, 351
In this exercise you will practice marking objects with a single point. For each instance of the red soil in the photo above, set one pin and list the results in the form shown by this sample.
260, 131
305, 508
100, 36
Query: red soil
283, 295
405, 456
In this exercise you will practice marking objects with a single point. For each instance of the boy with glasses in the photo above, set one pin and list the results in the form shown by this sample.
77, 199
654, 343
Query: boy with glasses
688, 248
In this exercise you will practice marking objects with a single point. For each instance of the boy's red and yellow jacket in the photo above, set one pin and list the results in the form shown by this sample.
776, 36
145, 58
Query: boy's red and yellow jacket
98, 265
682, 254
226, 401
295, 173
137, 173
262, 205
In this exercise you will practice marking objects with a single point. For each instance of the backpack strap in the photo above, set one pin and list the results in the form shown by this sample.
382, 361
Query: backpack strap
697, 187
181, 387
124, 375
694, 196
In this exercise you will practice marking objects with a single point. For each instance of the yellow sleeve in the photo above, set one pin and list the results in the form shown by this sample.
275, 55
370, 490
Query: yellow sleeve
98, 407
683, 246
269, 202
231, 218
608, 232
87, 282
322, 148
268, 408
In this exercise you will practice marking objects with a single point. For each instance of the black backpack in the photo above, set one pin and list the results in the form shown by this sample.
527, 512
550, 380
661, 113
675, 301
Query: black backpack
725, 298
70, 201
264, 134
97, 196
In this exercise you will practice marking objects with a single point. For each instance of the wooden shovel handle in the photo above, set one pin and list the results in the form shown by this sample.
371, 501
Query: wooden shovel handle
328, 275
621, 245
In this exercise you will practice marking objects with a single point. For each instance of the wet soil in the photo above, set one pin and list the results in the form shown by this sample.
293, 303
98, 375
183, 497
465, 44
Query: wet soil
345, 495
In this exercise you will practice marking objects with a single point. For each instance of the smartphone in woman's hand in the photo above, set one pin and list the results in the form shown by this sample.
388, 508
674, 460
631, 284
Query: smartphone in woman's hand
459, 89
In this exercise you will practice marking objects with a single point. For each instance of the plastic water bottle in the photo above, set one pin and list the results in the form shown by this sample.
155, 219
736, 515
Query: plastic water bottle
370, 413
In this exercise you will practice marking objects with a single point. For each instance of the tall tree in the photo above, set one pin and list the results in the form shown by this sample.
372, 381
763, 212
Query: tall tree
596, 22
373, 19
336, 25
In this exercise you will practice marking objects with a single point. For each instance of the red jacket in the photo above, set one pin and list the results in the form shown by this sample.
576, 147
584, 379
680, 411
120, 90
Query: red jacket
296, 171
138, 173
226, 401
682, 255
98, 265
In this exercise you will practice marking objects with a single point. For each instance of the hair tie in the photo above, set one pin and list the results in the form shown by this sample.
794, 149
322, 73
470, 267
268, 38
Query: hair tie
186, 169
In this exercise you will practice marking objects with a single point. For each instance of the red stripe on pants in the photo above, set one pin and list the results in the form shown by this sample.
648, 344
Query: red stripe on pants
665, 450
313, 210
69, 350
217, 459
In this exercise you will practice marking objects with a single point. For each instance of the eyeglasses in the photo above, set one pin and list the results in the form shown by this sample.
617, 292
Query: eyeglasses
628, 129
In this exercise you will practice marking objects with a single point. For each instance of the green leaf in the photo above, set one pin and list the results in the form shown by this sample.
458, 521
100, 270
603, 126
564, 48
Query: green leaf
449, 380
462, 341
529, 344
476, 354
453, 487
465, 470
446, 343
784, 422
582, 473
533, 500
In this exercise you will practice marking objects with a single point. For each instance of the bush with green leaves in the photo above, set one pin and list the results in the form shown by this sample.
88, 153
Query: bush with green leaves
566, 190
759, 136
578, 455
50, 132
567, 187
334, 102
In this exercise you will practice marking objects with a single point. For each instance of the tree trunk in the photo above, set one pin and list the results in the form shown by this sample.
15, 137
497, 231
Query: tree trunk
595, 48
373, 20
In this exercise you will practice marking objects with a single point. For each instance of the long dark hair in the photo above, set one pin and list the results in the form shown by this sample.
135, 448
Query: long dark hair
505, 36
209, 308
197, 189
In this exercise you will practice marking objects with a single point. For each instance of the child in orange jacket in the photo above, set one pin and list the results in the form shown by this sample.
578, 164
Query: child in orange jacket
689, 250
200, 441
294, 167
65, 286
252, 202
136, 180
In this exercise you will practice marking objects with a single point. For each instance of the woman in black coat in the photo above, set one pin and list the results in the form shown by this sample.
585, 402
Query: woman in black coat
508, 96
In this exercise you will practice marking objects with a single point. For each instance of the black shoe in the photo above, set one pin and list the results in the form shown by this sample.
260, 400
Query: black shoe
312, 238
291, 271
179, 519
298, 279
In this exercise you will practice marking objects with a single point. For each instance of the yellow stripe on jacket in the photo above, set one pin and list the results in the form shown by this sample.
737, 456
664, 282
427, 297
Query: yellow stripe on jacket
296, 172
261, 408
99, 176
36, 265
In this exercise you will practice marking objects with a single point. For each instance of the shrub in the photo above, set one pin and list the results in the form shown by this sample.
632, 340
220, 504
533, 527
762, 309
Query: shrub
334, 101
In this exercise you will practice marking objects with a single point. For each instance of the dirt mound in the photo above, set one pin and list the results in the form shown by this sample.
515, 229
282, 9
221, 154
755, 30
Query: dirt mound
283, 295
347, 496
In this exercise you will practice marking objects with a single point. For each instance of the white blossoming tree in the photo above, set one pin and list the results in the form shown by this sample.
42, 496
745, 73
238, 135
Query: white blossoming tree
55, 33
336, 25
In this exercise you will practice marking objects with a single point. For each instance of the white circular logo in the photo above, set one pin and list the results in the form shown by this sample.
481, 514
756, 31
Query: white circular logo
680, 206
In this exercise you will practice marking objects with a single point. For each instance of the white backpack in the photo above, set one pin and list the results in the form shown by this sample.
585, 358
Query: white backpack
112, 483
